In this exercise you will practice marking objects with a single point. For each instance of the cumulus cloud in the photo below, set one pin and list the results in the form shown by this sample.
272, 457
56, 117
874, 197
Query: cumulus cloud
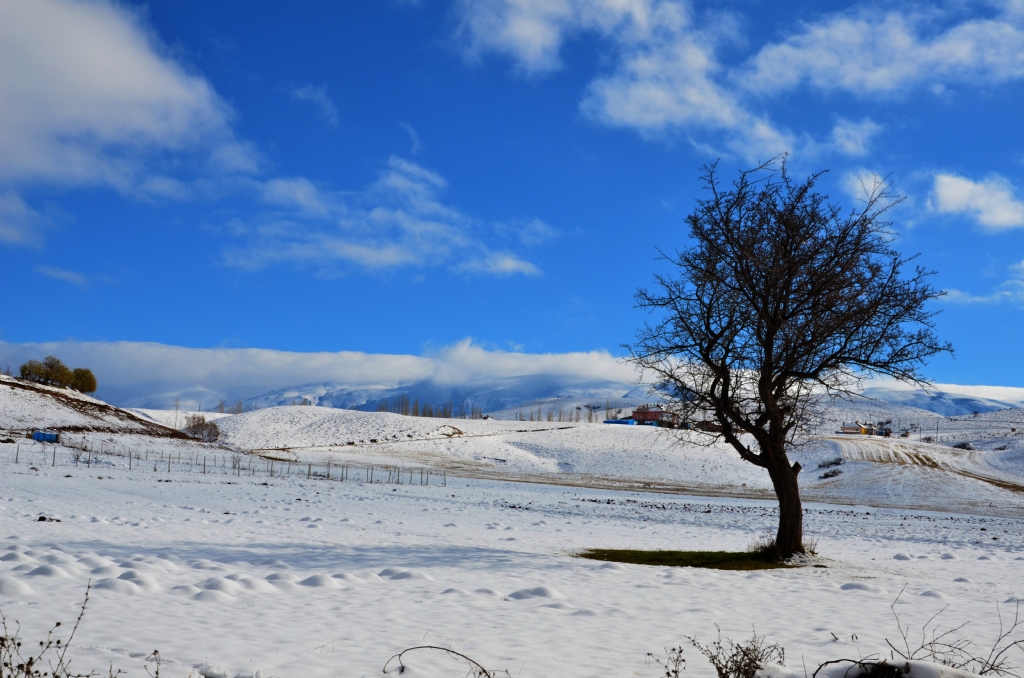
318, 97
399, 220
90, 98
867, 52
991, 202
666, 76
133, 371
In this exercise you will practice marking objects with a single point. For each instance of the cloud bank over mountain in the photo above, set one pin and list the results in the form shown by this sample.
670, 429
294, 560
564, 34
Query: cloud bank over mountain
149, 374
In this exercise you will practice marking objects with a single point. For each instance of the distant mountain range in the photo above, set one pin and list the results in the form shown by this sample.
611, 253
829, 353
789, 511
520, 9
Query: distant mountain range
509, 396
946, 401
494, 396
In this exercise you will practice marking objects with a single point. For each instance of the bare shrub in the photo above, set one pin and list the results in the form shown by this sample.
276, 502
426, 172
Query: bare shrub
51, 653
739, 660
950, 649
476, 670
946, 647
200, 429
673, 664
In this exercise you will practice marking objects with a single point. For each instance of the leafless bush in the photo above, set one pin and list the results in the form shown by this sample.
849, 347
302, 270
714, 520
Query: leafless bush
200, 429
476, 670
673, 664
51, 653
739, 660
946, 647
950, 649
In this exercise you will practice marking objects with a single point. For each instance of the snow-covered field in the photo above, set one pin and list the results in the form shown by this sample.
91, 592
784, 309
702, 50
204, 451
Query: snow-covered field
288, 577
232, 566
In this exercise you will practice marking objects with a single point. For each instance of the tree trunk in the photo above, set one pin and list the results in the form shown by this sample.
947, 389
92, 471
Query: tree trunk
790, 537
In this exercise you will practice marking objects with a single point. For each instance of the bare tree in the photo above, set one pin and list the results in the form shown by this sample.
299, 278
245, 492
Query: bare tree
199, 428
781, 299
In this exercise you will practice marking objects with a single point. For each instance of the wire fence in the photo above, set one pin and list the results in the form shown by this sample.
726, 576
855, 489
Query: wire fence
84, 452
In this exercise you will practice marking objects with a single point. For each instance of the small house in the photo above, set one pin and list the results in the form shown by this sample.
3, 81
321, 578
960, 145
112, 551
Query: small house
655, 415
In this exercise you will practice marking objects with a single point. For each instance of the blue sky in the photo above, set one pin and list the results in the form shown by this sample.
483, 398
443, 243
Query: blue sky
396, 177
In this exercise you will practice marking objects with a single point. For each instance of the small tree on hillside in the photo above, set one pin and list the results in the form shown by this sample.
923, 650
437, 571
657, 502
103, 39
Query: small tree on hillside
199, 428
83, 380
54, 372
779, 299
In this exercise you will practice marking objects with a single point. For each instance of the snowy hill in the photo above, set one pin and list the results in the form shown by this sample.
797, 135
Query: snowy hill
26, 406
502, 397
950, 399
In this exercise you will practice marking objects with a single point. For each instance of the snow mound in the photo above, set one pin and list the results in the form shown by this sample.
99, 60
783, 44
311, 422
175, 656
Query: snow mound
49, 571
535, 592
11, 588
861, 586
321, 581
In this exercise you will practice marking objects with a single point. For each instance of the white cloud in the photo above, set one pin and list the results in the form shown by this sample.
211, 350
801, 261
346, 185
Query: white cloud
318, 97
501, 264
399, 220
532, 31
414, 137
991, 201
1012, 290
133, 371
851, 137
64, 274
90, 98
19, 223
666, 78
869, 53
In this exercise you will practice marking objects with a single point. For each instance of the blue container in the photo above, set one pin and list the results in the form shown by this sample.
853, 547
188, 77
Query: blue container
627, 422
45, 436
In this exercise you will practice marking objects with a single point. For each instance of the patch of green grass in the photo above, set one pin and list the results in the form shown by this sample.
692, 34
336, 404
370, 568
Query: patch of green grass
713, 560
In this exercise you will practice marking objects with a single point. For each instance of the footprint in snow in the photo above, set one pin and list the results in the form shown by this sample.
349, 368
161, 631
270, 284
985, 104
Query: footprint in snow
935, 594
963, 580
950, 556
614, 567
901, 556
450, 525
